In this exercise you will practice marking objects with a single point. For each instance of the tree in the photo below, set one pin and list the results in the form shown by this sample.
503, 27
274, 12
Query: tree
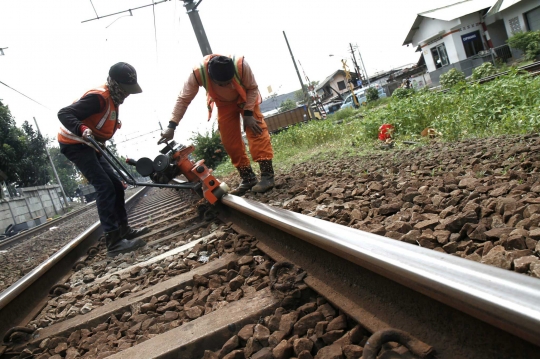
22, 152
299, 94
372, 94
287, 105
11, 145
67, 172
34, 166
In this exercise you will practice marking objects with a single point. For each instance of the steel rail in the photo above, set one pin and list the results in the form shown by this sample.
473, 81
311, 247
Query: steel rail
42, 227
504, 299
16, 302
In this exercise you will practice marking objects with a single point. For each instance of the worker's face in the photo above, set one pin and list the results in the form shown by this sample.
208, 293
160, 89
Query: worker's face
222, 83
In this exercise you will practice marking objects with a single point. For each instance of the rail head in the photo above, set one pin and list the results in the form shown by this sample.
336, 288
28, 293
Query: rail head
502, 298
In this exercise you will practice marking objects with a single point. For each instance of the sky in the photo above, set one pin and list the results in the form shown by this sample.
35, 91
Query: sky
54, 58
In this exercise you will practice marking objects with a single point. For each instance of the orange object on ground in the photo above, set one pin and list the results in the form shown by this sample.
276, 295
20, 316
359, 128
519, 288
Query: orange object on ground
385, 132
231, 136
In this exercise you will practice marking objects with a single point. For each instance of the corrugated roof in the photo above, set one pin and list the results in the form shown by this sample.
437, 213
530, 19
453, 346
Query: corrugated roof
500, 6
449, 13
457, 10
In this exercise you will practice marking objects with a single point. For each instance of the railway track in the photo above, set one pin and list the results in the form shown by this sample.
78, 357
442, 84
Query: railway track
22, 236
247, 280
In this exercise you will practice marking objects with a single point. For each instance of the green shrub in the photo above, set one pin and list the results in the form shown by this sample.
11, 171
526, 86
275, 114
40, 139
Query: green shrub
533, 50
484, 70
451, 78
208, 146
372, 94
528, 42
402, 93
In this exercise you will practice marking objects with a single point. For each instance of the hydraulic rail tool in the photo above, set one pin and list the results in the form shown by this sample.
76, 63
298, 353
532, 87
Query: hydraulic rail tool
173, 161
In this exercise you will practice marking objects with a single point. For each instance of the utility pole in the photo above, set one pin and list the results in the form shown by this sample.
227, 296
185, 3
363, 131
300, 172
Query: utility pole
299, 77
356, 68
2, 50
54, 169
362, 61
348, 77
196, 22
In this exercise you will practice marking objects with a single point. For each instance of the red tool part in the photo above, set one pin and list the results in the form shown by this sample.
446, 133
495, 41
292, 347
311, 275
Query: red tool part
195, 172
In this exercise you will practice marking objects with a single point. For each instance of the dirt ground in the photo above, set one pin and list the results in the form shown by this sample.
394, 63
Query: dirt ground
477, 199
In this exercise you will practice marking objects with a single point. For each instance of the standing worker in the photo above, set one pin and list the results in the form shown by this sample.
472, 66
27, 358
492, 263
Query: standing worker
231, 85
96, 114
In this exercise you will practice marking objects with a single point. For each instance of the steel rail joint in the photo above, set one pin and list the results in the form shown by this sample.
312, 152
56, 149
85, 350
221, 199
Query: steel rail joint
502, 298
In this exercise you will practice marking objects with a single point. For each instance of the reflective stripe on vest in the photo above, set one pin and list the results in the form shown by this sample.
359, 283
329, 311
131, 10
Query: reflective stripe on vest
103, 124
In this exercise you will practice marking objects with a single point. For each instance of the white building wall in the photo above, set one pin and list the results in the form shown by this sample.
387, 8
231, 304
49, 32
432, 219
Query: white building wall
431, 27
430, 64
517, 10
452, 41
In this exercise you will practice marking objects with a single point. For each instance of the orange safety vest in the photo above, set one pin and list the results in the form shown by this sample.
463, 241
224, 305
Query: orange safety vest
203, 78
103, 124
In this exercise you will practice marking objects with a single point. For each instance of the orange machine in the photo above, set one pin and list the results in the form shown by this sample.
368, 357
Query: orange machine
174, 161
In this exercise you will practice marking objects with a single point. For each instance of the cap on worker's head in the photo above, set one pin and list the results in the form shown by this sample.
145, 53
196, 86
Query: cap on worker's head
126, 76
221, 68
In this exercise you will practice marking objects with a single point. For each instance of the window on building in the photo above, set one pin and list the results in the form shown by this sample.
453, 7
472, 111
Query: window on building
341, 85
472, 42
533, 19
440, 57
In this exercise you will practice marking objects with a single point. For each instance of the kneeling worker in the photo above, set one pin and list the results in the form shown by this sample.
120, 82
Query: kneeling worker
231, 85
96, 114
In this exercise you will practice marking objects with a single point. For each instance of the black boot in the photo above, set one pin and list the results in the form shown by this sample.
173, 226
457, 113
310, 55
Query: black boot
267, 177
117, 245
128, 232
248, 180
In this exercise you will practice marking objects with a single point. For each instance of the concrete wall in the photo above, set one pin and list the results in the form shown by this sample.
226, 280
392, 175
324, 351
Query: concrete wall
497, 32
465, 66
517, 11
36, 202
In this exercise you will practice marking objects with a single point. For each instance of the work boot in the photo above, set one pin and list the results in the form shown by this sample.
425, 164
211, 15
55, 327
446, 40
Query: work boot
117, 245
129, 233
248, 180
267, 177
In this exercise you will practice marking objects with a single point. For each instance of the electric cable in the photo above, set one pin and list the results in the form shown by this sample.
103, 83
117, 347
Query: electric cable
144, 134
25, 95
94, 8
155, 30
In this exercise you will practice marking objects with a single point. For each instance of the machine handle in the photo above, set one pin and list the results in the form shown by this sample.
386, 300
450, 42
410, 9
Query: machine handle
131, 161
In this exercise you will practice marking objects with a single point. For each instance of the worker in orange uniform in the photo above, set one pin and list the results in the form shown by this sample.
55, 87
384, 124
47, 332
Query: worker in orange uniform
231, 86
96, 114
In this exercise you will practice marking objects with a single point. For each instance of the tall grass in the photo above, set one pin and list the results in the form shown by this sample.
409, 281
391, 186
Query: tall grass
507, 105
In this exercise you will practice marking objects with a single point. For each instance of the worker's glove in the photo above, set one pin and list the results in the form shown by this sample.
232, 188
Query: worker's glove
86, 134
252, 123
167, 135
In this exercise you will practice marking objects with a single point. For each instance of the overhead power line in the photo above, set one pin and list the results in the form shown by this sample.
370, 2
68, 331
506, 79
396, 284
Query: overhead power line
144, 134
121, 12
28, 97
93, 7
